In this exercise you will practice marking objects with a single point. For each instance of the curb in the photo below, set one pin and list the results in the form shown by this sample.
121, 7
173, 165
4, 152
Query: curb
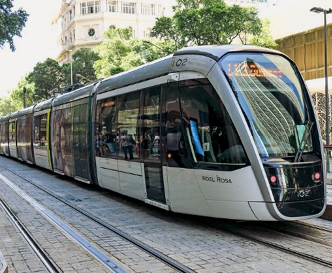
3, 264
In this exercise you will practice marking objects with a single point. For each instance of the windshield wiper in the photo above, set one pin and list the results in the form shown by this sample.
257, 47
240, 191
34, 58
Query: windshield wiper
304, 141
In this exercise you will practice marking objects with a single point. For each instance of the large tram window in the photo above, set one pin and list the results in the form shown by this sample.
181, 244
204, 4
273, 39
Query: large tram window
210, 132
40, 131
276, 106
106, 131
177, 154
128, 130
150, 144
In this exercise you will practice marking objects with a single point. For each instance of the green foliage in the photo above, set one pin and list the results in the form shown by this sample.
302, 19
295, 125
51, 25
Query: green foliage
202, 22
17, 93
264, 39
116, 54
8, 105
46, 76
82, 62
11, 23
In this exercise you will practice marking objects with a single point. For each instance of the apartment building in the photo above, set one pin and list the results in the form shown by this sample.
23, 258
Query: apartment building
82, 23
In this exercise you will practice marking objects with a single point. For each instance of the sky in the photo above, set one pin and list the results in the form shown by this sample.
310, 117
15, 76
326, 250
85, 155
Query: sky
38, 40
37, 43
294, 16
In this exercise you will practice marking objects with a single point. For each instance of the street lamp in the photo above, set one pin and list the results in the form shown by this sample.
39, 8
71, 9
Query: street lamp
319, 10
71, 67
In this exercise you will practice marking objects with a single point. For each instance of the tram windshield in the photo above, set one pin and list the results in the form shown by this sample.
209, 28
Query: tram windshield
270, 94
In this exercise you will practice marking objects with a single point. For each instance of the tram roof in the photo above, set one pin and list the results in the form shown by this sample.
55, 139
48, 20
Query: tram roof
148, 71
81, 93
162, 66
215, 52
26, 111
43, 105
14, 115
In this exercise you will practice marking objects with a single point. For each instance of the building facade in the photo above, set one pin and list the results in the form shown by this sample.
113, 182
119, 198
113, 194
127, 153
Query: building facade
82, 23
306, 49
262, 5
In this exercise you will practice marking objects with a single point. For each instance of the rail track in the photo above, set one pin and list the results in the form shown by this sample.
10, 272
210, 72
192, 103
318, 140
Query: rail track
49, 264
252, 231
151, 251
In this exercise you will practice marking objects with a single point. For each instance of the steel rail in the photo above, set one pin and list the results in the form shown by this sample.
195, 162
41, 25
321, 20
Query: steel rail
155, 253
50, 265
232, 229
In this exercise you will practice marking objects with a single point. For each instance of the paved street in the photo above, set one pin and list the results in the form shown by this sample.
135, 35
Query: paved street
191, 241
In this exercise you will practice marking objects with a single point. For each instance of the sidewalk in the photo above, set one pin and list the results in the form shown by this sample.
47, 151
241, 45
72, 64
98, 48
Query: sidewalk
328, 212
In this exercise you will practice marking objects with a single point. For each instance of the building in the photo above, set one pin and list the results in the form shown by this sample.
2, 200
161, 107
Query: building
82, 23
262, 5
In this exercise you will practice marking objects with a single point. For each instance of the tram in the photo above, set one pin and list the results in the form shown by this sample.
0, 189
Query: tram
218, 131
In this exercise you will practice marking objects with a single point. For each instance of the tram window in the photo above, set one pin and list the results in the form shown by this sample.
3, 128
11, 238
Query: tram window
177, 154
40, 131
210, 132
106, 131
12, 133
128, 130
150, 144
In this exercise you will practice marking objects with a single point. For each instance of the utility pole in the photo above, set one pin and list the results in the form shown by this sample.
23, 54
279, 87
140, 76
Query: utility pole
24, 97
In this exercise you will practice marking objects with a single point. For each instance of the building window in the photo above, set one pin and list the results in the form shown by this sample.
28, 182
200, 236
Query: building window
90, 7
146, 33
112, 6
128, 7
132, 33
97, 9
147, 9
91, 32
83, 8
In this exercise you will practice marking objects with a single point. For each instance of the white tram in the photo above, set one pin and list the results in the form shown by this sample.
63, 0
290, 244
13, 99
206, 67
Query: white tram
219, 131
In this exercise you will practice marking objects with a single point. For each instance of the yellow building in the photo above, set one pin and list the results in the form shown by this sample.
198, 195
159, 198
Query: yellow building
306, 49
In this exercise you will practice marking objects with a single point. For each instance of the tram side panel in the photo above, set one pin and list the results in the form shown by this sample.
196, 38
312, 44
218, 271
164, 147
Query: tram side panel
13, 135
41, 141
62, 147
70, 139
24, 138
1, 135
4, 137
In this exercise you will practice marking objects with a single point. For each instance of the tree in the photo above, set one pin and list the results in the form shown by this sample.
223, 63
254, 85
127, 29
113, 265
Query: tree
116, 54
83, 71
17, 93
264, 39
11, 23
46, 76
202, 22
7, 106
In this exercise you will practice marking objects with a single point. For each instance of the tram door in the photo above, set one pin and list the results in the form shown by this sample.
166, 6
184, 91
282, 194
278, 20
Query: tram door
151, 145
